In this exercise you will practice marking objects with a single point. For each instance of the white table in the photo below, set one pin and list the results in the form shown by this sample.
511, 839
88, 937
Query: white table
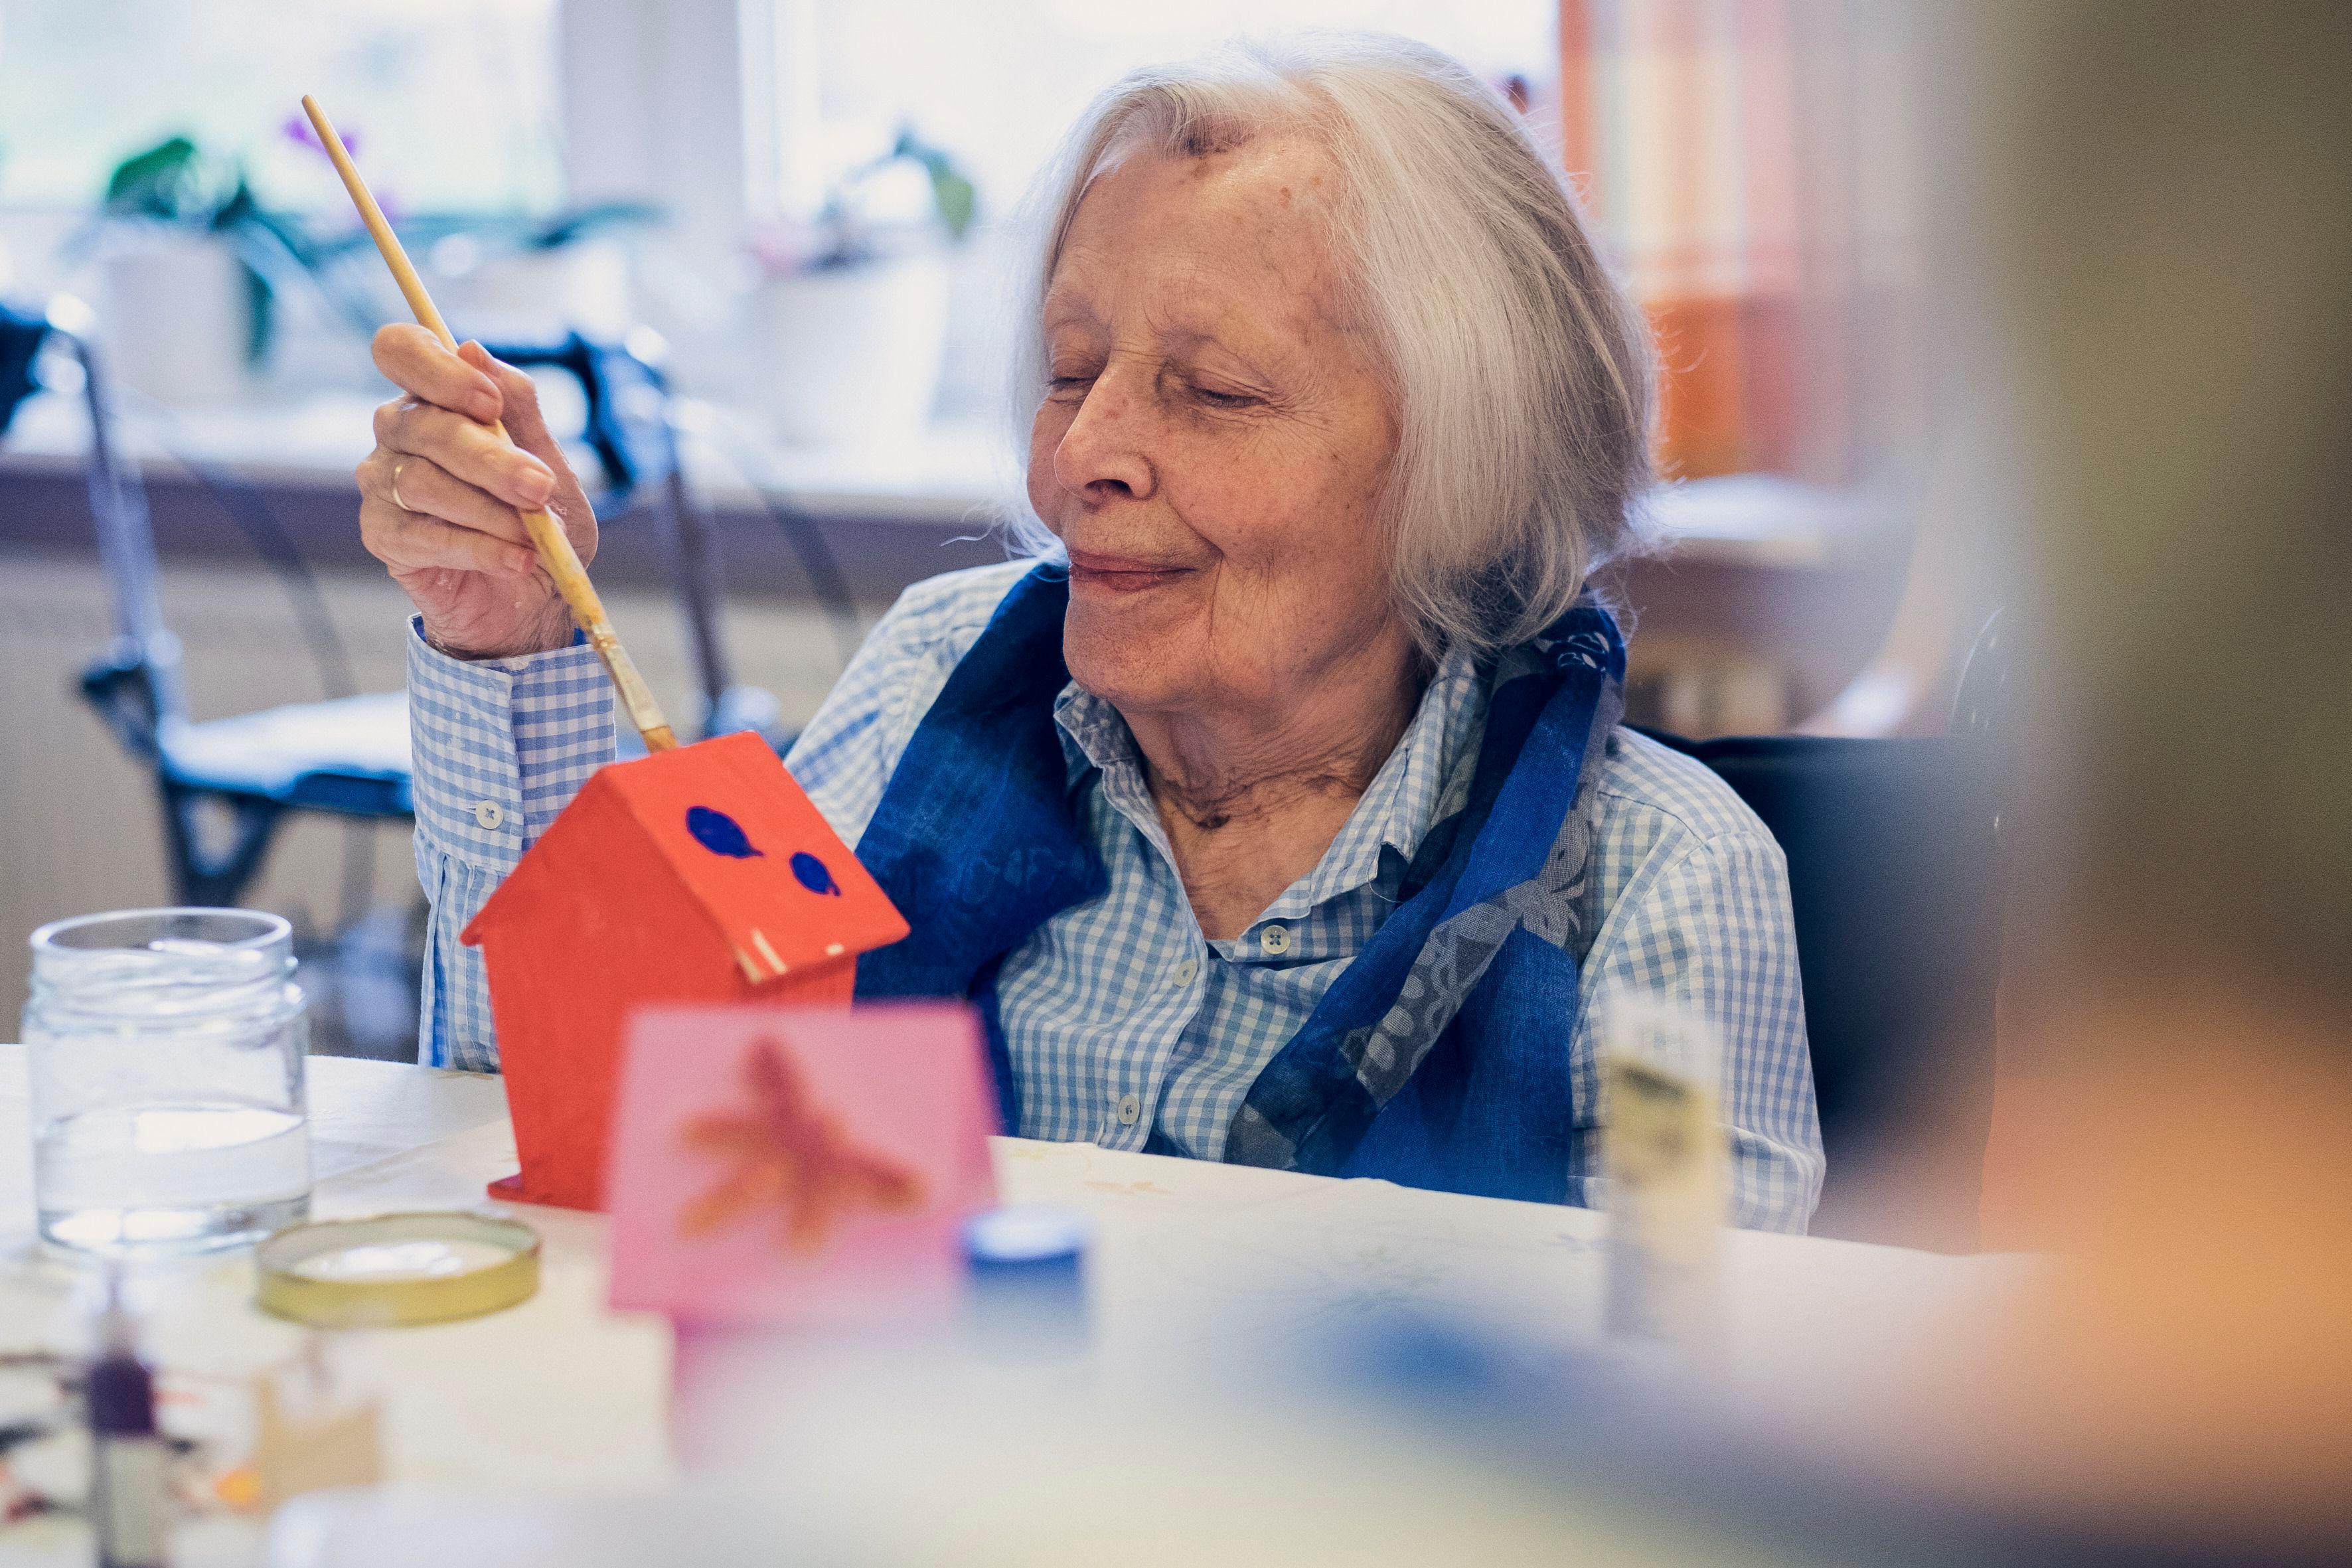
562, 1394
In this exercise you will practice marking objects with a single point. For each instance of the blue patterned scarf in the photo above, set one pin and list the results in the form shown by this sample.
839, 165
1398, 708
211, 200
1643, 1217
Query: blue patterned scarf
1440, 1056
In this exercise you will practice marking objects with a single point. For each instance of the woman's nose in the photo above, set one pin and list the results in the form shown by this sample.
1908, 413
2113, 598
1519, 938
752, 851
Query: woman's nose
1105, 453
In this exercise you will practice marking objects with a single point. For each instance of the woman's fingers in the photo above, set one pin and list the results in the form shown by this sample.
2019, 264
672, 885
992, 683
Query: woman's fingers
469, 451
443, 497
413, 360
517, 395
527, 426
453, 401
411, 541
421, 485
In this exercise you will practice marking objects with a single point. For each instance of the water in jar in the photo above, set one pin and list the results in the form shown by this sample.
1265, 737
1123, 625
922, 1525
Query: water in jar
166, 1052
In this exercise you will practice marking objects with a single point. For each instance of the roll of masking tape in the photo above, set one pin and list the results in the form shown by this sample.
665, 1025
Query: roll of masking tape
396, 1270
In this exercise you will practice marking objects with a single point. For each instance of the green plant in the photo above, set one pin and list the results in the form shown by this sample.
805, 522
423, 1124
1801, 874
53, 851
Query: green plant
179, 183
176, 183
847, 238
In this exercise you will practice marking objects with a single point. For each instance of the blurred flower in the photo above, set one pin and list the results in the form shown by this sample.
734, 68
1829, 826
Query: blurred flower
296, 128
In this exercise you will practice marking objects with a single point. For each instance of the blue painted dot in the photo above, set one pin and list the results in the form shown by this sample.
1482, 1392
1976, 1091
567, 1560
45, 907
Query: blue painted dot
813, 874
719, 833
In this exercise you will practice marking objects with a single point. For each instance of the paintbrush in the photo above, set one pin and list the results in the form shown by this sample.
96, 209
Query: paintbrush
547, 535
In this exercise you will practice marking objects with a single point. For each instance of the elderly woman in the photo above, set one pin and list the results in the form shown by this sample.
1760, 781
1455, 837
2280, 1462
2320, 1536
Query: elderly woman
1278, 811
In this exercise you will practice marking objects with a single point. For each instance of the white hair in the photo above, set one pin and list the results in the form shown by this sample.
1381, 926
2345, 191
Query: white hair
1520, 372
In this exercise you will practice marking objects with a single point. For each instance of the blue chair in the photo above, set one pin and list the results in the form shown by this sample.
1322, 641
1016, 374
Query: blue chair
347, 757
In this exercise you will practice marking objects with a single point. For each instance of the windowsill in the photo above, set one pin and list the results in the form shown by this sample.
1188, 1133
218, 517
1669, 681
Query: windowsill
948, 474
945, 474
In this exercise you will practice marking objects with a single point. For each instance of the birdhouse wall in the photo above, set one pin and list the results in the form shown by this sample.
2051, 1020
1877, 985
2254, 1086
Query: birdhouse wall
702, 875
560, 1027
601, 930
734, 826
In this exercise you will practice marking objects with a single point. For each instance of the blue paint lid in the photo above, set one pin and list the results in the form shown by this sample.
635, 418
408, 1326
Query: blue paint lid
1026, 1237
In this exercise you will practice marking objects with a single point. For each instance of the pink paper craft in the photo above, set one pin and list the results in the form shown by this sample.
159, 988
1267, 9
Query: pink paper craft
793, 1165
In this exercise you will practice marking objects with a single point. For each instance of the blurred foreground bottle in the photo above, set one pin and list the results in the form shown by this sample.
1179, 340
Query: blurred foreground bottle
1665, 1169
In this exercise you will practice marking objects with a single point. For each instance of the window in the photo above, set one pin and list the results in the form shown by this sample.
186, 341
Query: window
1755, 169
453, 103
829, 83
997, 85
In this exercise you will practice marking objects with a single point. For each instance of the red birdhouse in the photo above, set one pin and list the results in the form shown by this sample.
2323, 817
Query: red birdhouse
698, 875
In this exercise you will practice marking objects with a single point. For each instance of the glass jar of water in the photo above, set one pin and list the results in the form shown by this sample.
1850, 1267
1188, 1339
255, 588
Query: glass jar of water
166, 1050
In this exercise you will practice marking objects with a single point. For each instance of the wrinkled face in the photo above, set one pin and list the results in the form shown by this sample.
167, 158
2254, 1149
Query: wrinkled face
1214, 438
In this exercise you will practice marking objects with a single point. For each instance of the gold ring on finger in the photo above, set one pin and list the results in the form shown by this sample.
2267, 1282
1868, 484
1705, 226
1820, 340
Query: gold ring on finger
396, 485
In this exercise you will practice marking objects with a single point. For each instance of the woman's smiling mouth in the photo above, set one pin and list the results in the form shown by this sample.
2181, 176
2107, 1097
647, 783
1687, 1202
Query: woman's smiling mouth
1098, 573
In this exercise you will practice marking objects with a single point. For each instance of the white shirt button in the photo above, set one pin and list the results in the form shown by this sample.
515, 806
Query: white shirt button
1131, 1108
490, 814
1275, 939
1185, 972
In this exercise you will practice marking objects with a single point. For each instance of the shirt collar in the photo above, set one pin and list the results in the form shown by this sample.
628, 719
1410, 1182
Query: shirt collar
1093, 734
1397, 809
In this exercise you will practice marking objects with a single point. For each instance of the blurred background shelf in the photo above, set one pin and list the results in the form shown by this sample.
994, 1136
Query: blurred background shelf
952, 476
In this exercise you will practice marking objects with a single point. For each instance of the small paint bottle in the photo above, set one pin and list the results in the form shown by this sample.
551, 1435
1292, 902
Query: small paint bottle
130, 1500
1027, 1290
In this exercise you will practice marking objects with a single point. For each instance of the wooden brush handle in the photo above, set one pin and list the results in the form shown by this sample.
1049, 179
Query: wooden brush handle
547, 535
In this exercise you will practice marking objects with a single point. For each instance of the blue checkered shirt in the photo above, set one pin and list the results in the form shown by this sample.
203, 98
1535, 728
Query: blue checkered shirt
1123, 1019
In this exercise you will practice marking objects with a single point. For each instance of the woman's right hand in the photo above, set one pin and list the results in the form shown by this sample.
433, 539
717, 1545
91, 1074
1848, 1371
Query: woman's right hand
442, 498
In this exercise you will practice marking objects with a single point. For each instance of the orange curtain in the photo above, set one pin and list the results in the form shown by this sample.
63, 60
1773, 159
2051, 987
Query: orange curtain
1742, 162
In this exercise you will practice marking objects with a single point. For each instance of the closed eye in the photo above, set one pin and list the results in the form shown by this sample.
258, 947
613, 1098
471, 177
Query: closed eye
1216, 399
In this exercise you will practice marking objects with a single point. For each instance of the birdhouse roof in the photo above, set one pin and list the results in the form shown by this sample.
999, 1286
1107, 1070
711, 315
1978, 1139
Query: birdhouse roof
725, 819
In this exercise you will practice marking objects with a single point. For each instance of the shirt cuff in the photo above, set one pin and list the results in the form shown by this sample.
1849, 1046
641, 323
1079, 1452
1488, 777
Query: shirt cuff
499, 746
